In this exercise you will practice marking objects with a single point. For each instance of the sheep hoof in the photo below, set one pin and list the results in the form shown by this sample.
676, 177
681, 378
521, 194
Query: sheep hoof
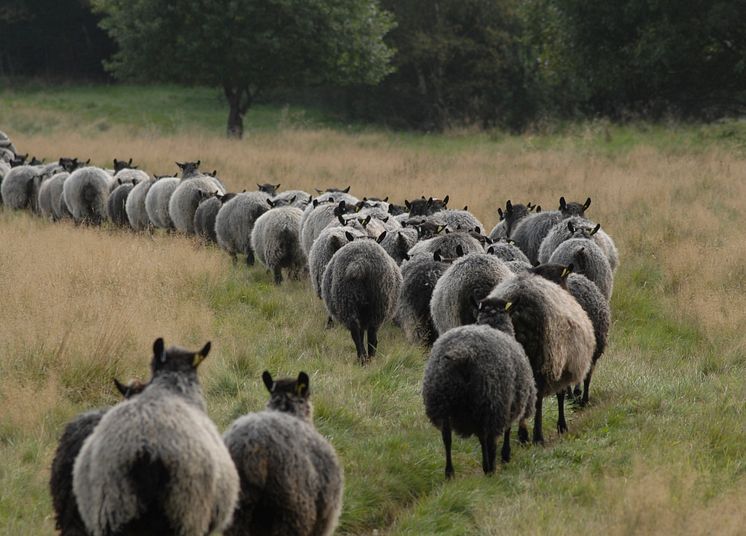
561, 428
449, 474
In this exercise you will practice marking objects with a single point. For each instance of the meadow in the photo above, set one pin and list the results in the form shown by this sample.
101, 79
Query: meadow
661, 449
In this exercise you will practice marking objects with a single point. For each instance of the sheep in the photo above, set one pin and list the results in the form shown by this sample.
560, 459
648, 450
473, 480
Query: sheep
5, 143
207, 213
6, 156
588, 260
128, 175
577, 227
20, 188
507, 251
478, 381
235, 222
4, 170
324, 248
459, 220
267, 188
189, 169
315, 220
593, 303
86, 191
510, 218
116, 204
49, 192
557, 336
372, 227
184, 201
157, 199
447, 244
532, 229
300, 199
426, 207
134, 207
276, 242
336, 195
291, 479
419, 277
119, 165
360, 289
398, 243
468, 280
67, 516
156, 463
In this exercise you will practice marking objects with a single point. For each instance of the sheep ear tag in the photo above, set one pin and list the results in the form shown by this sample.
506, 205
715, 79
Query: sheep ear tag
299, 388
197, 359
508, 306
566, 271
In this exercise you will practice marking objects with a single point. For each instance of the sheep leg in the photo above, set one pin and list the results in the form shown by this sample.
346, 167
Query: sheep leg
505, 453
278, 275
329, 322
357, 337
522, 431
489, 451
561, 422
372, 341
586, 387
446, 433
538, 436
234, 258
250, 257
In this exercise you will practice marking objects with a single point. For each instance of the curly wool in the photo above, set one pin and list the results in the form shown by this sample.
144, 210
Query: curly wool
20, 188
86, 191
137, 215
50, 193
186, 197
157, 199
419, 277
235, 221
582, 228
448, 245
116, 204
276, 241
588, 260
397, 243
324, 247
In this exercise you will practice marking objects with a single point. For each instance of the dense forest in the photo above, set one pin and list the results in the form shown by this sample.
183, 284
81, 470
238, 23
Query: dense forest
504, 63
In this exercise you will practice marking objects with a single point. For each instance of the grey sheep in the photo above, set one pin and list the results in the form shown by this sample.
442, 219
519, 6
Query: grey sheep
531, 230
398, 243
322, 251
419, 277
184, 201
129, 175
478, 381
50, 193
592, 302
588, 260
460, 220
507, 251
336, 195
360, 290
235, 222
468, 280
67, 516
86, 191
300, 199
157, 199
447, 244
316, 218
207, 213
557, 336
368, 225
156, 463
426, 207
137, 215
291, 479
275, 240
20, 188
5, 143
510, 218
577, 227
116, 205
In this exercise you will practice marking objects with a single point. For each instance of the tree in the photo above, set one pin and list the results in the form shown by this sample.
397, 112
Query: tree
248, 47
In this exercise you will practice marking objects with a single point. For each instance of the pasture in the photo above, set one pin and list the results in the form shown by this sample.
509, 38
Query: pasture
661, 447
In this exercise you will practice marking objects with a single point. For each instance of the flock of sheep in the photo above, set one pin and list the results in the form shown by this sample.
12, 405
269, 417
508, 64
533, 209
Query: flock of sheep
511, 317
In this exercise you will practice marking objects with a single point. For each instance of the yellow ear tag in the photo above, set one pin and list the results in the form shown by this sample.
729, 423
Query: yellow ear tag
565, 273
299, 388
197, 360
508, 306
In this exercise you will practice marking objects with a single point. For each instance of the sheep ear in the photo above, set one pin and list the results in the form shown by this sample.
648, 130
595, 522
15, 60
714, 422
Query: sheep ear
277, 186
381, 237
445, 200
406, 257
570, 227
315, 203
293, 199
466, 207
478, 230
350, 237
587, 203
319, 191
270, 203
440, 229
538, 208
158, 350
436, 256
134, 182
119, 181
459, 251
386, 199
180, 165
407, 204
268, 382
346, 190
595, 229
201, 355
341, 220
563, 204
567, 270
123, 389
509, 206
198, 163
302, 385
500, 213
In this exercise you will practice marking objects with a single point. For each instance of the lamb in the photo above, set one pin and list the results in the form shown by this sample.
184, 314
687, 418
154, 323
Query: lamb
447, 244
275, 240
156, 463
532, 229
207, 213
116, 204
323, 249
235, 222
291, 479
184, 201
592, 302
510, 218
398, 243
67, 516
588, 260
468, 280
557, 336
156, 201
86, 191
137, 215
419, 277
478, 381
20, 188
360, 289
577, 227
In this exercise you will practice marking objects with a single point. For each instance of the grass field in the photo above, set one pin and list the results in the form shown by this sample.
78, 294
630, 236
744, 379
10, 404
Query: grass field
660, 450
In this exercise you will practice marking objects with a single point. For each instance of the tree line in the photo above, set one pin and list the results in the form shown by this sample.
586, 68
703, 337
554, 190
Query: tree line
422, 64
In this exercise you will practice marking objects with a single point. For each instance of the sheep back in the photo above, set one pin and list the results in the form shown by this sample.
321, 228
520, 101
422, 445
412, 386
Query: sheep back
157, 199
419, 277
276, 241
532, 229
86, 191
116, 204
316, 220
447, 244
596, 307
235, 221
397, 243
583, 227
137, 215
20, 187
185, 200
322, 251
588, 260
204, 218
